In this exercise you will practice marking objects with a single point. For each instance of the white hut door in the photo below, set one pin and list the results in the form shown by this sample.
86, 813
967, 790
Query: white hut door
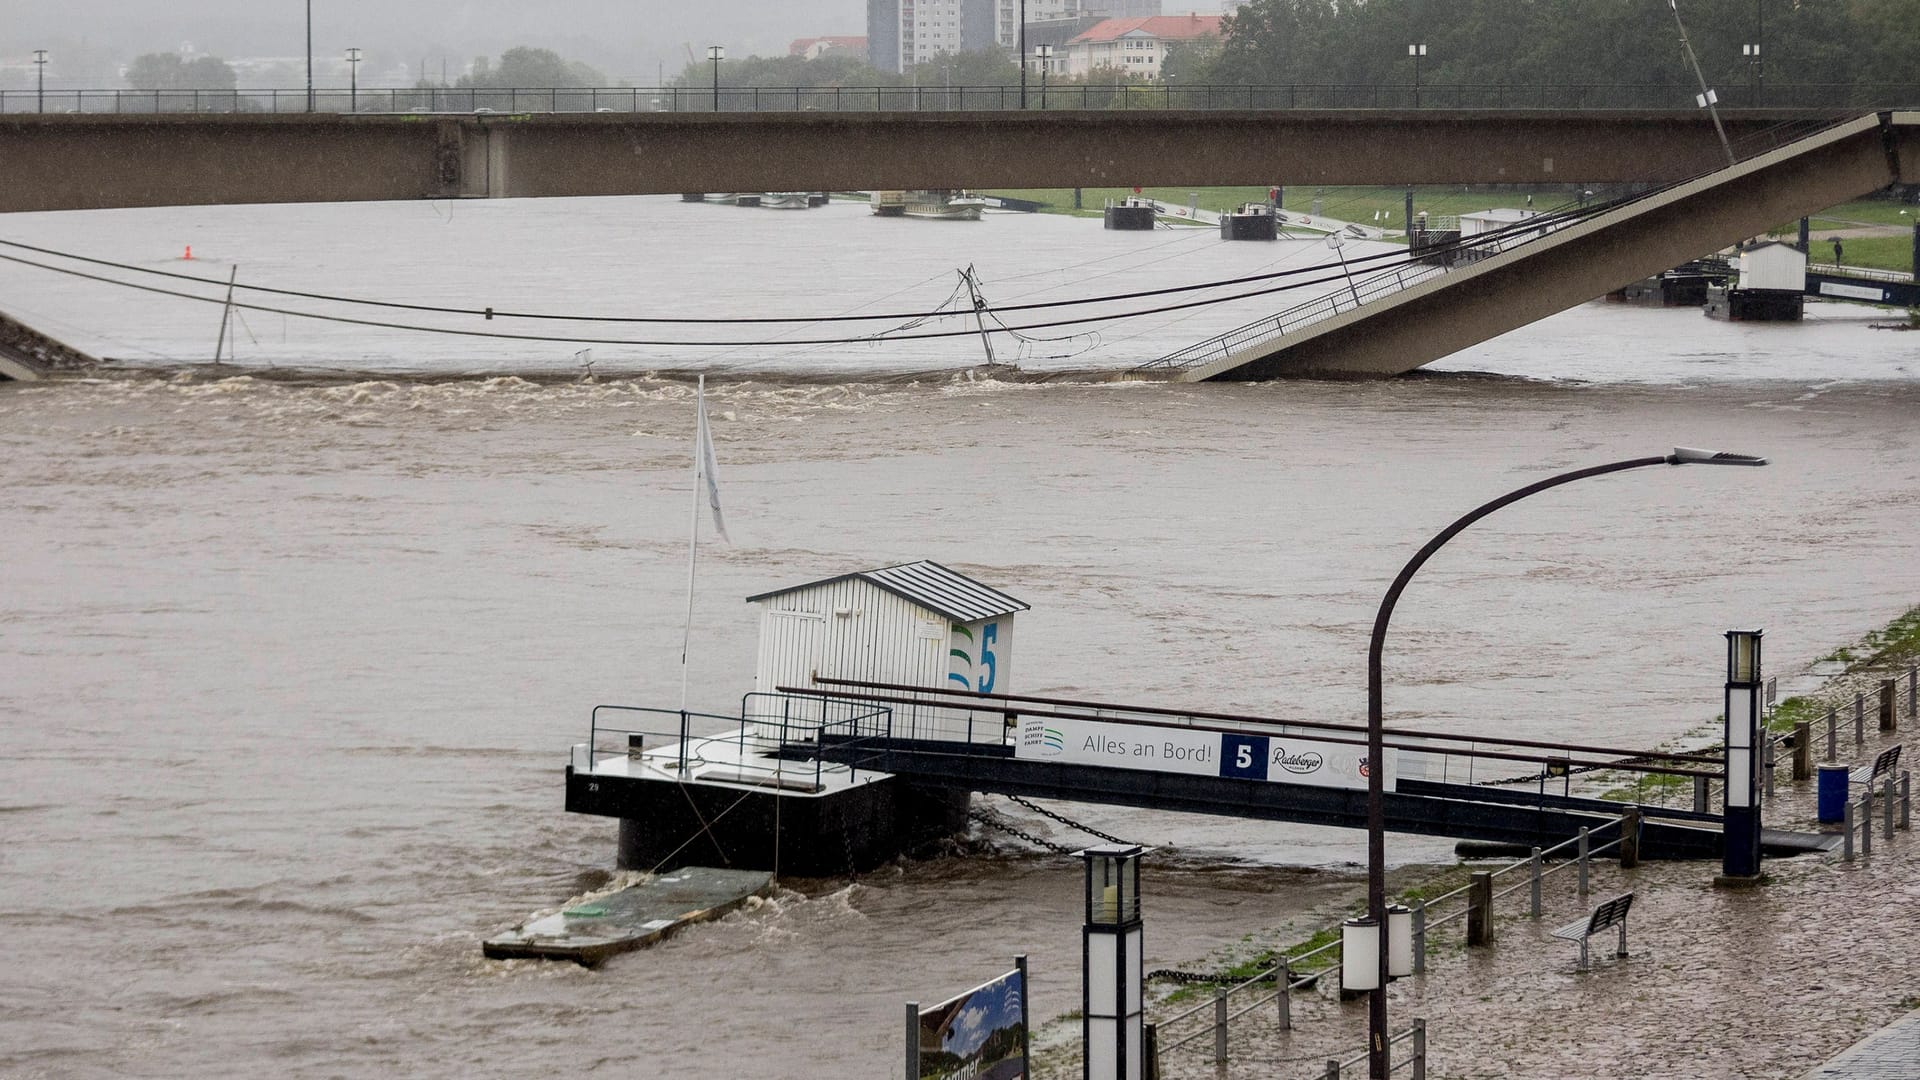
796, 656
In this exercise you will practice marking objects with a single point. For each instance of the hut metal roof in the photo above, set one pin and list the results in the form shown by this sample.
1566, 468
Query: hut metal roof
928, 584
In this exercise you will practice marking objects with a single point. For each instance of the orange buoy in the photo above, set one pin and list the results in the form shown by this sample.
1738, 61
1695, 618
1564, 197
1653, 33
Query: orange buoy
189, 254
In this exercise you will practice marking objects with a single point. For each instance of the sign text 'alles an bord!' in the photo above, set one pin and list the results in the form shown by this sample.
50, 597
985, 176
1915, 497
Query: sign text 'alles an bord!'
1279, 758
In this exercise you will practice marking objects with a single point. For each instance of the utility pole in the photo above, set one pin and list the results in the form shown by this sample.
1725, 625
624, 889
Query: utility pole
1707, 99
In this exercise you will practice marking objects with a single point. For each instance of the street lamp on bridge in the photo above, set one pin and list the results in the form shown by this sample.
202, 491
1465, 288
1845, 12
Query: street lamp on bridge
40, 68
1417, 52
353, 66
309, 55
1043, 53
716, 53
1365, 932
1756, 75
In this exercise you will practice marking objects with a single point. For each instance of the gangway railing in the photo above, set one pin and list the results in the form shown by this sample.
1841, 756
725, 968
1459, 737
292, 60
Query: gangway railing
1442, 757
760, 738
1355, 294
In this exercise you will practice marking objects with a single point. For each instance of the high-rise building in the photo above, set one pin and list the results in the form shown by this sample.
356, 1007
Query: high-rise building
902, 33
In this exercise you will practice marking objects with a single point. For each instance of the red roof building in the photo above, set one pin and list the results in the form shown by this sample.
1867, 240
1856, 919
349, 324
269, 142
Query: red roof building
813, 48
1136, 46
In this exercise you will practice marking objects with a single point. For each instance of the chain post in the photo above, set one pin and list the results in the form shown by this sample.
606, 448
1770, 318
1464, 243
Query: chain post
1536, 882
1585, 840
1285, 998
1846, 832
1419, 937
1220, 1025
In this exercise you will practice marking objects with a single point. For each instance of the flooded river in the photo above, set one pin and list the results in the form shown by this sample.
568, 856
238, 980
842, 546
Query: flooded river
291, 669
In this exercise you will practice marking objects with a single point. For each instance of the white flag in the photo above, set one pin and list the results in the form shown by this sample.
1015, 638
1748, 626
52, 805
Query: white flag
703, 463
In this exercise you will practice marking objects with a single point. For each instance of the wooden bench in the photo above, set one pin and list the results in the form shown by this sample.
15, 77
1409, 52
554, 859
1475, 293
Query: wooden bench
1882, 765
1609, 913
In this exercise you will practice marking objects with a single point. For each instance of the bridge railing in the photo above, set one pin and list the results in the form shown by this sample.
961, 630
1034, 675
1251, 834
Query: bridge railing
1352, 294
1166, 94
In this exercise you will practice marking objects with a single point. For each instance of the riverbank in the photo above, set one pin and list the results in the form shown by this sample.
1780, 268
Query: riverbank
1734, 983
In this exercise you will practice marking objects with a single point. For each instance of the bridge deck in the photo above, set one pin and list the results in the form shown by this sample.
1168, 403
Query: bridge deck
1434, 313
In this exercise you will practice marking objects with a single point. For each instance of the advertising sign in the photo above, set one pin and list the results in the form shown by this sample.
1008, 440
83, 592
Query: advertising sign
980, 1035
1286, 759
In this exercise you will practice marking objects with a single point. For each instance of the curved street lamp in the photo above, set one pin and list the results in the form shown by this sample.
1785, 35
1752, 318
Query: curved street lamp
1377, 1034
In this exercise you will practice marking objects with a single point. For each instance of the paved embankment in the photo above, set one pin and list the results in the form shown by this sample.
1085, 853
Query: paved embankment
1749, 983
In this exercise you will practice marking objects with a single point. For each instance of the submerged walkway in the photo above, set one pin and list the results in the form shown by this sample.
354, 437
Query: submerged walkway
1721, 984
1892, 1053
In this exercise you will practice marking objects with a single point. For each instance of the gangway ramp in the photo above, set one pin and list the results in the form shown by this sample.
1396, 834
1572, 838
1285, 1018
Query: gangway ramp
1420, 796
1427, 312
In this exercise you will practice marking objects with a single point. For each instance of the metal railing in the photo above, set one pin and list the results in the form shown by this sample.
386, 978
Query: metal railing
1285, 975
1166, 94
1356, 293
761, 742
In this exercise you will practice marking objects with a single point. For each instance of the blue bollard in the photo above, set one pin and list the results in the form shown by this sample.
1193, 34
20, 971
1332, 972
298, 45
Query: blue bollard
1833, 793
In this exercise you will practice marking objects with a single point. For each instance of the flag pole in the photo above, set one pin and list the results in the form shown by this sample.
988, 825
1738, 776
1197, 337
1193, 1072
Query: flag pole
693, 531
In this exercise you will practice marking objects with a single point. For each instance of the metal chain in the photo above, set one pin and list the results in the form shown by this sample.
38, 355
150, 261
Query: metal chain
1068, 822
994, 821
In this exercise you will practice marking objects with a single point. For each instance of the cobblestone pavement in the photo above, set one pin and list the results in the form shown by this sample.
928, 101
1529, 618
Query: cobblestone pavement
1763, 982
1892, 1053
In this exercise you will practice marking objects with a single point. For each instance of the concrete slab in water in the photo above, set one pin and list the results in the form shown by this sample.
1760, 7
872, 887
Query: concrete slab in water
631, 918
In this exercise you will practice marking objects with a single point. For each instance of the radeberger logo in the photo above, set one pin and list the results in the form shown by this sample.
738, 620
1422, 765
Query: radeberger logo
1297, 764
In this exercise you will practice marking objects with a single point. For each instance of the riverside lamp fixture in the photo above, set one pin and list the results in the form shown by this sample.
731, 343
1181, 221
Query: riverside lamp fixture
1378, 1063
1020, 49
1740, 822
1043, 53
1416, 51
1111, 1027
40, 65
353, 66
1756, 76
716, 53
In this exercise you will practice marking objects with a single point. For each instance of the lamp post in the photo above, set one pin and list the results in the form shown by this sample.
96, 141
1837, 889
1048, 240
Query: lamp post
309, 55
1377, 1034
716, 53
1755, 78
40, 68
353, 67
1416, 51
1740, 822
1020, 50
1111, 1027
1043, 53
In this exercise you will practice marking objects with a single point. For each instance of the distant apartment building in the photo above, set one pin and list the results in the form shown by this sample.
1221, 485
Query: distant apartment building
1136, 46
813, 48
902, 33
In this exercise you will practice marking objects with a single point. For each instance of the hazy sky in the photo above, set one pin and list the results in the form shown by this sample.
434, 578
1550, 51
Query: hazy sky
624, 39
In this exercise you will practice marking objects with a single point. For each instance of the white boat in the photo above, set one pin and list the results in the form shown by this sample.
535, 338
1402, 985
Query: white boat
932, 204
785, 200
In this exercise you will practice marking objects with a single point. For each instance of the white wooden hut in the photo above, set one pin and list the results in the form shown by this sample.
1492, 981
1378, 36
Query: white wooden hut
911, 625
915, 624
1774, 267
